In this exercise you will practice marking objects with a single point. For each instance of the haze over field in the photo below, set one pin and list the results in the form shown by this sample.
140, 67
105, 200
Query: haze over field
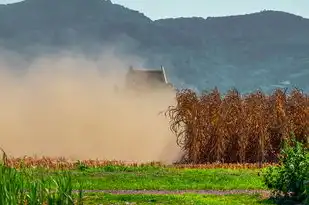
60, 60
58, 108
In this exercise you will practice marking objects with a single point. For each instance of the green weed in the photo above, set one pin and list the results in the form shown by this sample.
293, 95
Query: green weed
290, 178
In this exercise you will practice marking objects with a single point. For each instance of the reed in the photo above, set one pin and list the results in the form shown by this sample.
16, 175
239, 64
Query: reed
35, 186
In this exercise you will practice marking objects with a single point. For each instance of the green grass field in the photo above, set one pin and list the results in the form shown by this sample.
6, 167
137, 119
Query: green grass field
175, 199
158, 178
116, 179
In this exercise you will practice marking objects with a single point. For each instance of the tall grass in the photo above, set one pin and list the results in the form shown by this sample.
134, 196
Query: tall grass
237, 128
36, 187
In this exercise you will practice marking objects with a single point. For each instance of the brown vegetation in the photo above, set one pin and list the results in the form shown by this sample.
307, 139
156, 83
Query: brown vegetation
237, 128
63, 163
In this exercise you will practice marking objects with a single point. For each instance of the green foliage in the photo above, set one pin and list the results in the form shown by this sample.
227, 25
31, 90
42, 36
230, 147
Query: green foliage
291, 177
81, 166
306, 183
35, 186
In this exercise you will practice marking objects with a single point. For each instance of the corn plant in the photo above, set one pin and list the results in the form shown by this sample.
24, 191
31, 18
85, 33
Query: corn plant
235, 128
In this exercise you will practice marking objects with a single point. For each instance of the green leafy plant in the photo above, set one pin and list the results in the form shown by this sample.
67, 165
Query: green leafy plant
33, 186
81, 166
307, 191
289, 179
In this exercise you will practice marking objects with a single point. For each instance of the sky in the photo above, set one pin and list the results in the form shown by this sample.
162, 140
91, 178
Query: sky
156, 9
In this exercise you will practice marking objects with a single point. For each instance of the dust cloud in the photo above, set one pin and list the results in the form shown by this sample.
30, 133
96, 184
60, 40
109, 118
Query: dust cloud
66, 106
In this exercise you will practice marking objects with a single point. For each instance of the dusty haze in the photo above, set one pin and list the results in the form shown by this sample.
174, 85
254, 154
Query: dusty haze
63, 106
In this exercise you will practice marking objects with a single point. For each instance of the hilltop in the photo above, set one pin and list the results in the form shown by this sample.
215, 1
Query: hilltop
245, 51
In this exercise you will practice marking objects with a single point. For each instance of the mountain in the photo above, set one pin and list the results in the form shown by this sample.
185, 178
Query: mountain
264, 50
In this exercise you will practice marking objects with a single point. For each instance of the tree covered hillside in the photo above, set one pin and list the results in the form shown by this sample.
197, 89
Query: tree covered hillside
259, 50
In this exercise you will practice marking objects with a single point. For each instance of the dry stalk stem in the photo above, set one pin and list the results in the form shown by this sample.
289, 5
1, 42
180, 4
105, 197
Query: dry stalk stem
235, 128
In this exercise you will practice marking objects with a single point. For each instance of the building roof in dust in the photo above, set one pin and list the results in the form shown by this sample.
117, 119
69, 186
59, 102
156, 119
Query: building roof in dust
150, 74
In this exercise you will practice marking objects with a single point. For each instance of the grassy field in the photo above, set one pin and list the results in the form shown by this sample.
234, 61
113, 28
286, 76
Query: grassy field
175, 199
108, 184
158, 178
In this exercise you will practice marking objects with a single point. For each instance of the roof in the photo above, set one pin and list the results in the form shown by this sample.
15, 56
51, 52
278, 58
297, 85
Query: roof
148, 74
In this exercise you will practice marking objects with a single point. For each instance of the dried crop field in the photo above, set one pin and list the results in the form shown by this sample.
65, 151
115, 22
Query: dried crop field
238, 128
66, 164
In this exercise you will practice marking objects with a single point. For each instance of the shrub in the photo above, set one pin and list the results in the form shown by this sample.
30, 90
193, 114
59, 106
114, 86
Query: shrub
290, 178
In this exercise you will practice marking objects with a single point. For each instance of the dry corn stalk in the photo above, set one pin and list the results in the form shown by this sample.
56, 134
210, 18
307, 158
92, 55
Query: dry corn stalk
235, 128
